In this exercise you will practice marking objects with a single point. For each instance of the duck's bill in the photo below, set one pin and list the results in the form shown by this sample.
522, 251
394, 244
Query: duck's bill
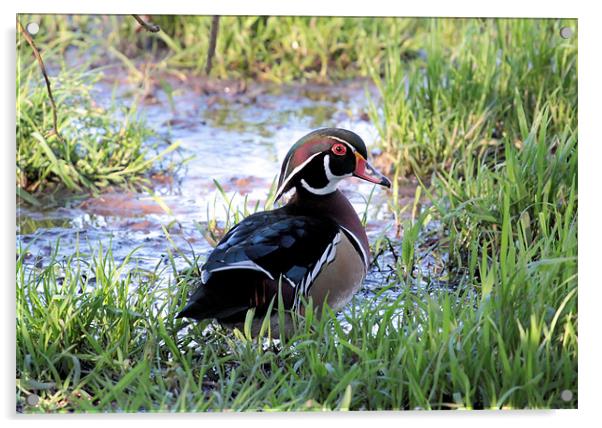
367, 172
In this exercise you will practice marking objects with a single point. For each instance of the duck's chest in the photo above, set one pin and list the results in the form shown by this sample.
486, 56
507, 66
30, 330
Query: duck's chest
341, 279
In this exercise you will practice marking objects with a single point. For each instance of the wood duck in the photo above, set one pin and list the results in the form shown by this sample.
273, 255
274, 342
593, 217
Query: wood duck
314, 246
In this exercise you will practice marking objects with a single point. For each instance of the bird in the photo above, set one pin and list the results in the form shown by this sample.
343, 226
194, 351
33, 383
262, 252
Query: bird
313, 247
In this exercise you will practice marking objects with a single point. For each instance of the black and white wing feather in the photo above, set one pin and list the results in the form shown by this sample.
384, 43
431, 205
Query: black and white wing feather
265, 249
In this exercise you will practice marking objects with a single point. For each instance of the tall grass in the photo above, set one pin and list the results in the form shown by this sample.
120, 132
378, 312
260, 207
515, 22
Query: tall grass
97, 146
283, 48
273, 48
462, 95
103, 337
486, 117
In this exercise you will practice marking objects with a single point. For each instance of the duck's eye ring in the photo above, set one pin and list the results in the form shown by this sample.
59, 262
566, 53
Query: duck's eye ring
339, 149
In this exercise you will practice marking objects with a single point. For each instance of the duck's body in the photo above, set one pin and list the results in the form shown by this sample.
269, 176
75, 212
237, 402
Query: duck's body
313, 247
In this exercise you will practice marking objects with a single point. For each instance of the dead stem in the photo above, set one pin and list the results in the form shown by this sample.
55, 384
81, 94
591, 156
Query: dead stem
148, 26
38, 57
212, 43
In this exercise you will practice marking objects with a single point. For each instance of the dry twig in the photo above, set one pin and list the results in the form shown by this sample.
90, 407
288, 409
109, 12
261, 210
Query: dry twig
212, 43
148, 26
38, 57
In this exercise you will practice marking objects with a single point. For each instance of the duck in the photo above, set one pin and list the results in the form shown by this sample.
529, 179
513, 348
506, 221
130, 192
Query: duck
313, 247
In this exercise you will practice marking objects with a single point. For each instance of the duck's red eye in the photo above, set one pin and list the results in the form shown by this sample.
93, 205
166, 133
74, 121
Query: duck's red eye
339, 149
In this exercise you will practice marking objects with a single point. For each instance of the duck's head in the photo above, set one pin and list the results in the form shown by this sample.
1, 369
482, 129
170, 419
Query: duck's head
322, 158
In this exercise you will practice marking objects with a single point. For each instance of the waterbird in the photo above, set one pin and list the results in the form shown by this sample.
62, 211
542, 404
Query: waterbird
314, 247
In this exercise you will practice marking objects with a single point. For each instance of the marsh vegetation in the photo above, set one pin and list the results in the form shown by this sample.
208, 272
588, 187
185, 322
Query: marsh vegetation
471, 300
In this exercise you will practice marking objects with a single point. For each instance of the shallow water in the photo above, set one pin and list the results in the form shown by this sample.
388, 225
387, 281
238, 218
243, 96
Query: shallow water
236, 135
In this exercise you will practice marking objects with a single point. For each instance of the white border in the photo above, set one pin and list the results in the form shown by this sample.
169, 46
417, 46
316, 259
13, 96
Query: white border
590, 237
458, 8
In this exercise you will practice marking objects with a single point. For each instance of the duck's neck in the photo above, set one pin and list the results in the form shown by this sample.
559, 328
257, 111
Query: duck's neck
332, 205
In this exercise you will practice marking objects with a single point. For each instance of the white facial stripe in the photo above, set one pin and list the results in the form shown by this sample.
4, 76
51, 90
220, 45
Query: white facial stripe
329, 173
332, 137
292, 174
333, 180
331, 187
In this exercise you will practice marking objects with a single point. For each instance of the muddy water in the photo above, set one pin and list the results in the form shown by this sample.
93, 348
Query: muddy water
233, 134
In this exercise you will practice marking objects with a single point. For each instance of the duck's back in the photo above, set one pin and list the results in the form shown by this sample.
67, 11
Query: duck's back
264, 251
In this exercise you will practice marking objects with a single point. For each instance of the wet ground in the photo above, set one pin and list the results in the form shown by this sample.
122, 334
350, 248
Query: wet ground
228, 132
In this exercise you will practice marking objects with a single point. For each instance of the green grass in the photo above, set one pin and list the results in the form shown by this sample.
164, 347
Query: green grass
281, 49
97, 147
278, 49
486, 118
463, 95
98, 336
489, 124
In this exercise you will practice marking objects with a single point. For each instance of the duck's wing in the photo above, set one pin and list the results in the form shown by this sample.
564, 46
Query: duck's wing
261, 252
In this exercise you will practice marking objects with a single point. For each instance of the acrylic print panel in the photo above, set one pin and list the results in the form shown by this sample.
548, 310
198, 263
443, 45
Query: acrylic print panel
442, 274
